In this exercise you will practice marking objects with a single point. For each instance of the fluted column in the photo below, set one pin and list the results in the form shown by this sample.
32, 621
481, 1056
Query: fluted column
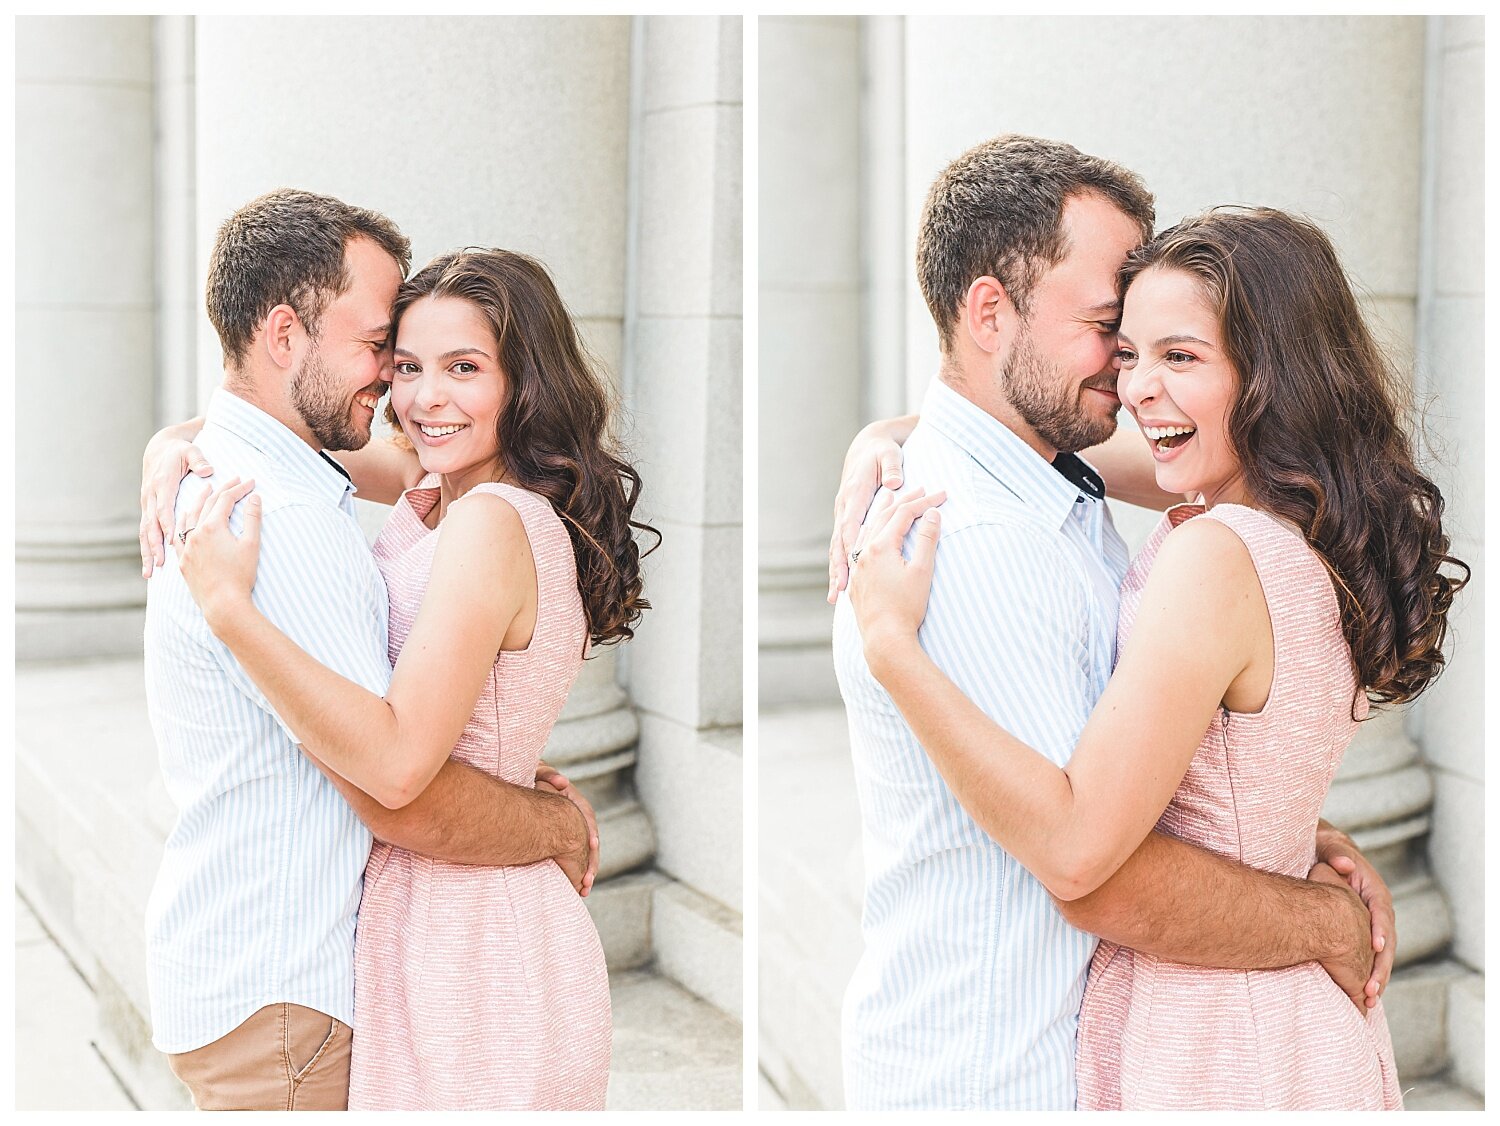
810, 338
84, 398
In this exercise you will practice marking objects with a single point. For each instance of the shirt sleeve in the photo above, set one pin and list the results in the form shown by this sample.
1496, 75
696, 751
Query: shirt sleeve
317, 583
1008, 622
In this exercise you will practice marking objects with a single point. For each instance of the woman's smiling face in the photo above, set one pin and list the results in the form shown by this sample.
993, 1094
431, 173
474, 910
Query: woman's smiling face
447, 388
1179, 384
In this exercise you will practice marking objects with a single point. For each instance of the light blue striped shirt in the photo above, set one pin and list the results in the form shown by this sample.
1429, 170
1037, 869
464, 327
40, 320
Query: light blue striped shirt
968, 990
256, 897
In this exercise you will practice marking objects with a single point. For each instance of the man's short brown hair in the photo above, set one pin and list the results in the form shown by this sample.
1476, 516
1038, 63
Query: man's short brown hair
287, 248
997, 211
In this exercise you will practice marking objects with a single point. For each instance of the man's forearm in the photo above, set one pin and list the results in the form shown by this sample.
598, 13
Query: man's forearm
466, 816
1184, 904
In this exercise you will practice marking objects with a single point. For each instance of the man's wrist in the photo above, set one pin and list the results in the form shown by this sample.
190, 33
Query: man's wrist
571, 827
1344, 928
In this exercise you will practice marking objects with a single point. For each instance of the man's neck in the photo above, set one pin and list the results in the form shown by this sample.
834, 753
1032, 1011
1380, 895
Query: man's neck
983, 390
253, 391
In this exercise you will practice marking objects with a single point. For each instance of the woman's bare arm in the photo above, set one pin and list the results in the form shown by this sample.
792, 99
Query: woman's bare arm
1074, 826
483, 583
384, 469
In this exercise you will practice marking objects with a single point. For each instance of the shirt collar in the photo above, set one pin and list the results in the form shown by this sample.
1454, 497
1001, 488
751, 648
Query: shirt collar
1050, 488
292, 456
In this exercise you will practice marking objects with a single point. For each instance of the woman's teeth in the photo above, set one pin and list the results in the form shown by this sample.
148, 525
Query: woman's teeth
1166, 436
440, 431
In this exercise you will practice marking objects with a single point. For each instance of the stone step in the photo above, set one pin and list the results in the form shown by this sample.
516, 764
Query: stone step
697, 942
1431, 1009
621, 910
1439, 1094
672, 1051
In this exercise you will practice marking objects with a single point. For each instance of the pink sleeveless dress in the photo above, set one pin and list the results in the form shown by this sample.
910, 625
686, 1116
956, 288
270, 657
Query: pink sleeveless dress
1162, 1036
482, 988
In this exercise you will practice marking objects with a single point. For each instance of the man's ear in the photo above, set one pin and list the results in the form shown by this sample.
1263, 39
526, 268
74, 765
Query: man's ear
283, 334
988, 315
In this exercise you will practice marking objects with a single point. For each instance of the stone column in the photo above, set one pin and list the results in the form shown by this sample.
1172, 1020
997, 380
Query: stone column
1449, 720
683, 393
810, 334
179, 293
84, 400
514, 135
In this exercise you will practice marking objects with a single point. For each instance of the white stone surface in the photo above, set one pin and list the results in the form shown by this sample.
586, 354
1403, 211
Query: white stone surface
1463, 31
1453, 355
690, 212
810, 321
810, 891
1452, 727
671, 1051
99, 50
690, 782
83, 164
57, 1065
691, 61
1459, 246
81, 483
1457, 848
1416, 1004
1466, 1032
686, 410
809, 410
83, 328
178, 296
686, 663
699, 943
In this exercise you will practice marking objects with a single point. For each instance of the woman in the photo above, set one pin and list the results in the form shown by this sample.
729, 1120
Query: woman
1253, 627
476, 988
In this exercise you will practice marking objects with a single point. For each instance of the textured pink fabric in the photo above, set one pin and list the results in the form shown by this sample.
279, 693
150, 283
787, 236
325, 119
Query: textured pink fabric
482, 988
1162, 1036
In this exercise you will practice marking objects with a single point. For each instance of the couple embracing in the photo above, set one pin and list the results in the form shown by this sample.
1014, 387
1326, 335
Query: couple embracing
334, 722
1052, 742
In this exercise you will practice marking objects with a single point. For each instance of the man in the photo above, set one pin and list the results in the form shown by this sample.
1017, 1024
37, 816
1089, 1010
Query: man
250, 926
968, 991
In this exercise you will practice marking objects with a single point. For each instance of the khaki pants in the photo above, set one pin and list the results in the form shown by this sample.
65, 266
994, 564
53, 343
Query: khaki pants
284, 1057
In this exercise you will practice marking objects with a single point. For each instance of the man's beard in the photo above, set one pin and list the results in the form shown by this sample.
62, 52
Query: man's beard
319, 399
1040, 395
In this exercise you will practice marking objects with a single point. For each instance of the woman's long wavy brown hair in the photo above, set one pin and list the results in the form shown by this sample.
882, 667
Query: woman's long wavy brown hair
1315, 426
553, 427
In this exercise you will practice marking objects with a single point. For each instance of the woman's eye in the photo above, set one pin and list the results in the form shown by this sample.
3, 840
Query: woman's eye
464, 367
1179, 358
1125, 355
405, 368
